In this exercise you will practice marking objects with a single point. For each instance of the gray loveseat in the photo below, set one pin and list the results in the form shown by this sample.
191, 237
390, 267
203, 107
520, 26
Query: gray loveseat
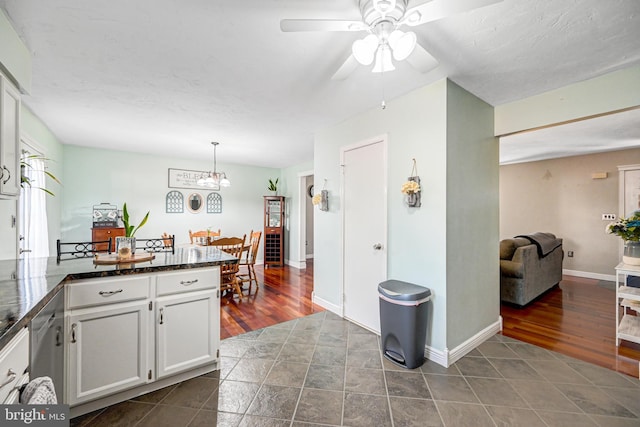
529, 266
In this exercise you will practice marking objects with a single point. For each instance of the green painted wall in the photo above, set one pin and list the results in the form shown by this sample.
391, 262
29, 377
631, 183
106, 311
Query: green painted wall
610, 92
95, 175
457, 161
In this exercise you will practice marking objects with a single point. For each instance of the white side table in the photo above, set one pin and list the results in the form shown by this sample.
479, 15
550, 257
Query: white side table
627, 327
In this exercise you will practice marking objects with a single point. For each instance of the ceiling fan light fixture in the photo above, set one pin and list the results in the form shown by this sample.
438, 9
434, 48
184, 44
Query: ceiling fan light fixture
384, 6
365, 50
383, 60
402, 44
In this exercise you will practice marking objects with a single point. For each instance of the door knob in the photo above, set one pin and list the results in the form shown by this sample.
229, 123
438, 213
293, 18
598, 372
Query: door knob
377, 246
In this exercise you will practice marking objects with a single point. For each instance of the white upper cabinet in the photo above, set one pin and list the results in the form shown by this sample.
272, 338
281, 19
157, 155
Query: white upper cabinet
9, 139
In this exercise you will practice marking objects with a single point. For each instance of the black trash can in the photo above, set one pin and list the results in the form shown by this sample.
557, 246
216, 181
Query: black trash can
403, 322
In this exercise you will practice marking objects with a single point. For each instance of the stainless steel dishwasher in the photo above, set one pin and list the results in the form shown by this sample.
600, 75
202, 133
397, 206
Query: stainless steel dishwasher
47, 343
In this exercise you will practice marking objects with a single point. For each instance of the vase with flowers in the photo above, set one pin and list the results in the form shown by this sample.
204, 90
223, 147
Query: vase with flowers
629, 230
411, 188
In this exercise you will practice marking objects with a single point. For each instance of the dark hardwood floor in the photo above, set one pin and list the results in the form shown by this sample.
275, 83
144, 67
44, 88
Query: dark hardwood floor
576, 318
284, 294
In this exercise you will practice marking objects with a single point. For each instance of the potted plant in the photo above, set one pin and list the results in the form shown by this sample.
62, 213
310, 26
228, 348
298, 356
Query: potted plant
629, 230
126, 246
273, 186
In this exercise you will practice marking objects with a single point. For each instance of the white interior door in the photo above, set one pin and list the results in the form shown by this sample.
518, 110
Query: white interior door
365, 230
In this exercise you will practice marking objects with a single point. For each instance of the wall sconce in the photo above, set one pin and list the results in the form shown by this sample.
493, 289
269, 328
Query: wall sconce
322, 198
412, 188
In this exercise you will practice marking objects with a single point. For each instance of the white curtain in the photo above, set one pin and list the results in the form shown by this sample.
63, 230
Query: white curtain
34, 210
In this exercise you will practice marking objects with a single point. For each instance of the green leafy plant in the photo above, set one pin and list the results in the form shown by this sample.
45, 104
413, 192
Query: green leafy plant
25, 165
130, 229
626, 228
273, 185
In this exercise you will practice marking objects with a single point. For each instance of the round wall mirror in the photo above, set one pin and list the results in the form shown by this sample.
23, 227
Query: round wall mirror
195, 202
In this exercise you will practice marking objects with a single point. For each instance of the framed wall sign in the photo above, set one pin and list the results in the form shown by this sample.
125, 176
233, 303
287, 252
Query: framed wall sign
182, 178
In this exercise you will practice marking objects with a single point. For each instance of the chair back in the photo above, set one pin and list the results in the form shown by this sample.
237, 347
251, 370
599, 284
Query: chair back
74, 250
165, 243
233, 246
254, 246
202, 237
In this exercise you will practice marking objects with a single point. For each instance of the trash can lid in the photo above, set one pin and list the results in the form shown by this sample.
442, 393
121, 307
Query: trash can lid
403, 291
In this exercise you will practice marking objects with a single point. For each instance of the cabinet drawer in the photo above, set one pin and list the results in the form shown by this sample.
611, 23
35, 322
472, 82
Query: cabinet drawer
187, 281
14, 360
107, 291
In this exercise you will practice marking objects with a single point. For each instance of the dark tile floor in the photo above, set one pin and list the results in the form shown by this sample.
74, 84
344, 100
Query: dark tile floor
322, 370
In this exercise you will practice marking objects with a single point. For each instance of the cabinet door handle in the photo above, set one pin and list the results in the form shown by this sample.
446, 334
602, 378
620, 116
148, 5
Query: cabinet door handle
109, 293
188, 282
12, 376
162, 315
8, 173
73, 332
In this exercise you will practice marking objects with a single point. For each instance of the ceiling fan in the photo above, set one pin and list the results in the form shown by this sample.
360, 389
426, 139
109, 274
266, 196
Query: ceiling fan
382, 20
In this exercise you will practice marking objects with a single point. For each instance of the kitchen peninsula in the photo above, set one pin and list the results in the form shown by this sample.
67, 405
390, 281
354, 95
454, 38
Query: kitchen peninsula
128, 329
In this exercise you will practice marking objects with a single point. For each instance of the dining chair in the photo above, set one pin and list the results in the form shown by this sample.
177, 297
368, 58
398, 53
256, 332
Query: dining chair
164, 243
74, 250
249, 259
203, 237
229, 280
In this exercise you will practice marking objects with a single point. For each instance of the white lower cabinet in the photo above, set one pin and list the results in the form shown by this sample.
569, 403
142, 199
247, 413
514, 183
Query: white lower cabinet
122, 334
14, 361
186, 336
108, 349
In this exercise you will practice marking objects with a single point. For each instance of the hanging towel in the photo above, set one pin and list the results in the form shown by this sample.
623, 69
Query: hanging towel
39, 391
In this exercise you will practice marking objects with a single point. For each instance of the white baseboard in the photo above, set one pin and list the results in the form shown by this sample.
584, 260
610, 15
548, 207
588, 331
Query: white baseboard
300, 265
435, 355
336, 309
589, 275
448, 357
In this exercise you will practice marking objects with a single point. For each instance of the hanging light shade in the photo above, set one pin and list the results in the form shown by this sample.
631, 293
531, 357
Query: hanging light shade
214, 179
365, 50
383, 60
402, 44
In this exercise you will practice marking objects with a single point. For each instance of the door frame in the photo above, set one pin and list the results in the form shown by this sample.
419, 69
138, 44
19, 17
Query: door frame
301, 263
383, 139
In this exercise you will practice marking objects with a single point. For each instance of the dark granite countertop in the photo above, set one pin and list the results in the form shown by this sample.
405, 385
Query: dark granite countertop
27, 285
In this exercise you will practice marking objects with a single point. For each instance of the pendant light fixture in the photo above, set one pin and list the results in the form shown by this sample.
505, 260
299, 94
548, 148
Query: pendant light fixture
214, 179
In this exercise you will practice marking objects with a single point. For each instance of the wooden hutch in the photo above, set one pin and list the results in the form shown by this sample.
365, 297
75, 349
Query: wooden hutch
273, 231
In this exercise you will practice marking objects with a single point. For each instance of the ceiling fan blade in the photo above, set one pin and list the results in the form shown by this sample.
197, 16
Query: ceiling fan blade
289, 25
438, 9
346, 68
422, 60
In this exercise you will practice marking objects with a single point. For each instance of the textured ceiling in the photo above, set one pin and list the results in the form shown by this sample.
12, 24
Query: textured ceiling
169, 76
